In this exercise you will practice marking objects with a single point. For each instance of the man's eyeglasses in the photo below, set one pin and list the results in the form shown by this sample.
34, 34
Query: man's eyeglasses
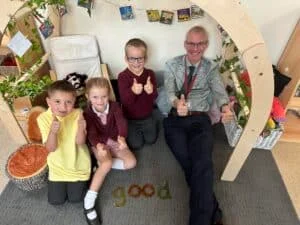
197, 45
134, 59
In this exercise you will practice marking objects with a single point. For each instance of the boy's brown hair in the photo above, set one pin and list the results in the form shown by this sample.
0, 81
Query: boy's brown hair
61, 85
99, 82
137, 43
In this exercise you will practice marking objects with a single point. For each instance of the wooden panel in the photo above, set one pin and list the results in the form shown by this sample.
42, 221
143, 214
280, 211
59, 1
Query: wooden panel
105, 74
11, 124
289, 64
291, 128
294, 102
25, 24
252, 47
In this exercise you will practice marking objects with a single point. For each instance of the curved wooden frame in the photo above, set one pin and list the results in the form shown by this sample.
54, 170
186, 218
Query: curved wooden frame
233, 18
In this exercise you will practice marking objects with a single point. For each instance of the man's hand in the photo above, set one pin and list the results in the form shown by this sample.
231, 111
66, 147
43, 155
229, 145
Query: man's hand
136, 87
148, 87
55, 125
181, 106
122, 143
226, 113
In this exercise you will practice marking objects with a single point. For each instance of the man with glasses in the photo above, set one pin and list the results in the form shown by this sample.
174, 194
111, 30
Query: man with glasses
193, 83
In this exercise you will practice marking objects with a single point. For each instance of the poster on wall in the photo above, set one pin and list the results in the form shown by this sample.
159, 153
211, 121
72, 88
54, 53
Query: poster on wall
126, 13
196, 12
183, 15
166, 17
153, 15
46, 28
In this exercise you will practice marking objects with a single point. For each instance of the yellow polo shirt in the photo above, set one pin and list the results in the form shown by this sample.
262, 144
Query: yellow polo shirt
69, 162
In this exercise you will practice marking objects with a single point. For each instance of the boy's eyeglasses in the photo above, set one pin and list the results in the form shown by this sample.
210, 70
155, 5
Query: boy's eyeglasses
134, 59
196, 45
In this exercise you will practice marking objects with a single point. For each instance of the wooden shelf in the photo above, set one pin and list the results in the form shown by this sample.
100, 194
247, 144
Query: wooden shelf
291, 128
294, 103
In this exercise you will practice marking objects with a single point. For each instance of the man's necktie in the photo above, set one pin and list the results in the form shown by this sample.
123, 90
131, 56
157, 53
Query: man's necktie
191, 73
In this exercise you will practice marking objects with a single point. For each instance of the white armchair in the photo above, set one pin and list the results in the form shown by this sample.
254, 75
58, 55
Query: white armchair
79, 54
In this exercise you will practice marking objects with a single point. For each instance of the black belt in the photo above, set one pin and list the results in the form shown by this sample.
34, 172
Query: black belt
173, 112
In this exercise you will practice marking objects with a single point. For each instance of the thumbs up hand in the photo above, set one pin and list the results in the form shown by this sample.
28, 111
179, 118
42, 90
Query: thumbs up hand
55, 125
81, 122
136, 87
148, 87
122, 143
182, 106
226, 113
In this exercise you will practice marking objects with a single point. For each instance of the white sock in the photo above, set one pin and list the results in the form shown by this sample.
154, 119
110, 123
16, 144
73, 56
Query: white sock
89, 202
92, 215
117, 164
89, 199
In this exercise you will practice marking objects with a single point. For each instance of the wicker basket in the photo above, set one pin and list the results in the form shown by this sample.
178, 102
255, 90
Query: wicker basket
37, 177
234, 131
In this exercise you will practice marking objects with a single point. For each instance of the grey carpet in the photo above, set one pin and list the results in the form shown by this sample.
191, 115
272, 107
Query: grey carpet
257, 197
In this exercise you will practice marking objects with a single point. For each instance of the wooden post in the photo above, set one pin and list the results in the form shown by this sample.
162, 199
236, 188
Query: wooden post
11, 123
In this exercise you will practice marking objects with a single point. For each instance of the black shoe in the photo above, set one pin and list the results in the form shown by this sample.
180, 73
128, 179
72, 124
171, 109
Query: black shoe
96, 221
219, 222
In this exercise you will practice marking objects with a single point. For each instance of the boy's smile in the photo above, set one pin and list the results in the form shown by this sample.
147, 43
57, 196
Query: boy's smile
135, 58
61, 103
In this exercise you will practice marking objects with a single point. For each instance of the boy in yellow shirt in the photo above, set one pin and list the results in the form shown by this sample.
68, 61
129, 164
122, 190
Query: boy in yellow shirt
63, 130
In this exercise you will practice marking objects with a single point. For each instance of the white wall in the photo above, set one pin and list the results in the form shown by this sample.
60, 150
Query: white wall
164, 41
274, 18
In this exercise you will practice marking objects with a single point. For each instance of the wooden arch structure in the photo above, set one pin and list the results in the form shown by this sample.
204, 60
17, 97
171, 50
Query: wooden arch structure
253, 50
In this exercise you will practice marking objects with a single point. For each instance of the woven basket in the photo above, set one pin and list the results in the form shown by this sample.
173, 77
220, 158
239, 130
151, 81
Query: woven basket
37, 177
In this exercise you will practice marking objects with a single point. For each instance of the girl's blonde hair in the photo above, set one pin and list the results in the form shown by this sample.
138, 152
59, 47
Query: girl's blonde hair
98, 82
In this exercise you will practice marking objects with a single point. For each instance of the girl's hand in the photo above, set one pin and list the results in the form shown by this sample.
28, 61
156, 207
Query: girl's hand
122, 143
102, 152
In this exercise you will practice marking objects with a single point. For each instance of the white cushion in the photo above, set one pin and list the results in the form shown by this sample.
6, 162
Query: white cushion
76, 53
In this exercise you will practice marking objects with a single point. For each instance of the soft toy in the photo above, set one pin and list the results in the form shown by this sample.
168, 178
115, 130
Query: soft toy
277, 112
77, 80
34, 133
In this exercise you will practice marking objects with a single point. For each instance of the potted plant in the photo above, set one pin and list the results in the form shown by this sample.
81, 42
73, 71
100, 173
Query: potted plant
32, 88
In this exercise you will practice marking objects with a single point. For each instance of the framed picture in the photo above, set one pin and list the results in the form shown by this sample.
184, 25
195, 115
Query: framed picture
196, 12
183, 14
46, 28
166, 17
126, 13
153, 15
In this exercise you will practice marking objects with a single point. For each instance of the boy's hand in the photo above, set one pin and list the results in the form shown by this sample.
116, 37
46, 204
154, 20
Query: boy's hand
182, 106
55, 125
136, 87
81, 122
148, 86
122, 143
